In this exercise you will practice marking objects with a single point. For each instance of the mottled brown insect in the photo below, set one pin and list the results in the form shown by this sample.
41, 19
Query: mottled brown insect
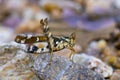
54, 43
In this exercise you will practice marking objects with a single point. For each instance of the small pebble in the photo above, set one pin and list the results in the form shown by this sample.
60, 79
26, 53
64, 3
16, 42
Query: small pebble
102, 44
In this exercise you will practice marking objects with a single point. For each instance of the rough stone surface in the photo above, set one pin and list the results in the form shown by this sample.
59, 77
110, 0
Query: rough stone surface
62, 69
94, 64
8, 51
14, 63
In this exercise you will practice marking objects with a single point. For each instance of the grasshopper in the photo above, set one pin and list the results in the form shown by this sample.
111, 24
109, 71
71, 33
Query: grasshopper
54, 43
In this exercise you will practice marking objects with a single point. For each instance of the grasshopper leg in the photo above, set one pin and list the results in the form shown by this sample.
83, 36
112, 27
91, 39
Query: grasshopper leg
51, 46
51, 51
51, 55
72, 52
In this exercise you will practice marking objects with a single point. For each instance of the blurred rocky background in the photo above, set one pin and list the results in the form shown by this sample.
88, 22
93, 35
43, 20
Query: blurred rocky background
97, 27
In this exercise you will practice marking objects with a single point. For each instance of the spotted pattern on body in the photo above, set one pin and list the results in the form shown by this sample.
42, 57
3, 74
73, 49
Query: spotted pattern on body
59, 43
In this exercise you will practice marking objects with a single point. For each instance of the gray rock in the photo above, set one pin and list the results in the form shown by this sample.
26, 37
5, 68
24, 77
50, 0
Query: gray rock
14, 63
62, 69
94, 64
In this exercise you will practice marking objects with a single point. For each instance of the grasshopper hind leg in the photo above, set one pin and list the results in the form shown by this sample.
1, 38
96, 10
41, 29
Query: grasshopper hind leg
50, 41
